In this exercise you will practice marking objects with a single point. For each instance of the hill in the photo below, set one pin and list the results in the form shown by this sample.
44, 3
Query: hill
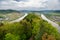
32, 27
7, 11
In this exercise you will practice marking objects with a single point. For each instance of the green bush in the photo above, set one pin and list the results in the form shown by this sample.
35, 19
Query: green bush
32, 26
10, 36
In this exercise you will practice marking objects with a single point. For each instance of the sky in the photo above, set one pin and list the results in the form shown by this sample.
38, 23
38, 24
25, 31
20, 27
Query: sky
30, 4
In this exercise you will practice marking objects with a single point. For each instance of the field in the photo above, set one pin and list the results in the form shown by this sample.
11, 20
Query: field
10, 16
55, 17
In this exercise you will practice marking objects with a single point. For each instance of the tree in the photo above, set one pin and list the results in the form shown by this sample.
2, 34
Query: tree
27, 28
49, 29
31, 27
45, 36
1, 24
10, 36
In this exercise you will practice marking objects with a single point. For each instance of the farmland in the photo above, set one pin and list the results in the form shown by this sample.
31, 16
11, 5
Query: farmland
55, 17
10, 16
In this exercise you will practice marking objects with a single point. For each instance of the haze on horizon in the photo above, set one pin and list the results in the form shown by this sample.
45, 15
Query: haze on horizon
30, 4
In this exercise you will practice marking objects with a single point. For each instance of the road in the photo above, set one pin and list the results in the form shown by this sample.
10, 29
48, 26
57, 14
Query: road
51, 22
19, 19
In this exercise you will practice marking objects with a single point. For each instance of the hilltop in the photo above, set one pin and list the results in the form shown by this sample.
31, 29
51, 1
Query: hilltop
32, 27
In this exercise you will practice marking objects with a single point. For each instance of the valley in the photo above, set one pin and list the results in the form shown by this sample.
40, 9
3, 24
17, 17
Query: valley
29, 26
55, 17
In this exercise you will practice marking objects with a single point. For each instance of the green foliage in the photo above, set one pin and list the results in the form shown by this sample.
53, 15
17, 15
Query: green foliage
1, 16
1, 24
35, 21
59, 23
32, 26
49, 29
10, 36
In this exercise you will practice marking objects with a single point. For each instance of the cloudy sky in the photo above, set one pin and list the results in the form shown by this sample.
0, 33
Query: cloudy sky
30, 4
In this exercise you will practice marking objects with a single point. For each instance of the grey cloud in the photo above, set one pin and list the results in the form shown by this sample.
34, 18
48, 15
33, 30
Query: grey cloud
5, 0
53, 4
13, 4
21, 0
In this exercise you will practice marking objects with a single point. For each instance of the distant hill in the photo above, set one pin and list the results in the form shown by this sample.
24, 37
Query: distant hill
42, 11
8, 11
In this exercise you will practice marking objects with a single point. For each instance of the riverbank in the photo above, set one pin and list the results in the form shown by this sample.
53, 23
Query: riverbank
19, 19
51, 22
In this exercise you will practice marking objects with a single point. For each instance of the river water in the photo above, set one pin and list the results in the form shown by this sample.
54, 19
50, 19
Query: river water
19, 19
51, 22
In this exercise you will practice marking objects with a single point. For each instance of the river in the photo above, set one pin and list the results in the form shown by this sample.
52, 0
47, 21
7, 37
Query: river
19, 19
51, 22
